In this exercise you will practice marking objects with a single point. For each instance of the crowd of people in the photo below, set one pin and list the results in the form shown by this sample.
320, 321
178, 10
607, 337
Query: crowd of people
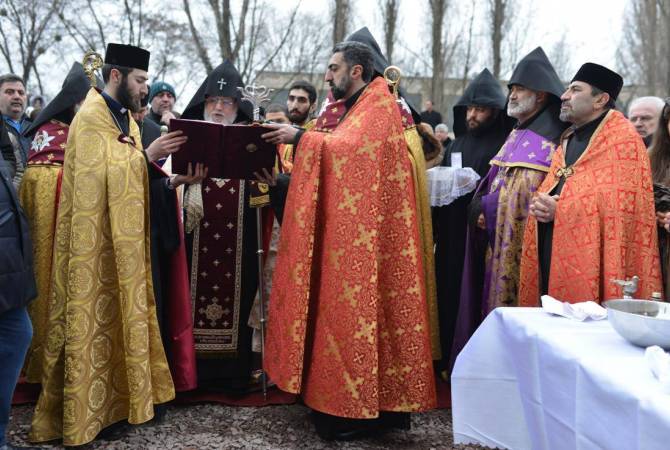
123, 283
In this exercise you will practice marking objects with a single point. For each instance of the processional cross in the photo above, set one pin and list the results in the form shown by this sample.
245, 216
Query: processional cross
257, 96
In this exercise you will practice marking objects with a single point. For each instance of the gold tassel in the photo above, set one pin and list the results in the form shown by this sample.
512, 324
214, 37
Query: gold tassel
194, 207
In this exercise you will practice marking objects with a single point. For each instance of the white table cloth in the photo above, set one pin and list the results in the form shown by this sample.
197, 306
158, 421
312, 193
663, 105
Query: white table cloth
529, 380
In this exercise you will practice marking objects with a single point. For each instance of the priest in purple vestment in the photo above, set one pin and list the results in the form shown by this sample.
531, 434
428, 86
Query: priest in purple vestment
503, 196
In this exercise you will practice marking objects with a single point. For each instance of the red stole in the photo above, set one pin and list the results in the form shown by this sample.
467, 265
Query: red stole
48, 146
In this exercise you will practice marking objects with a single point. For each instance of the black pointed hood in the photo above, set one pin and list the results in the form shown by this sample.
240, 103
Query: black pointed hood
223, 81
484, 90
74, 90
380, 62
535, 72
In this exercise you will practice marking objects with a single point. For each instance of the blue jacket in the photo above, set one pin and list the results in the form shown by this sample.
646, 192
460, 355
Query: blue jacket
17, 280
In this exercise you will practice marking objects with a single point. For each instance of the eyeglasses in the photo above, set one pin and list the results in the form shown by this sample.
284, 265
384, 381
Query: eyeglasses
223, 101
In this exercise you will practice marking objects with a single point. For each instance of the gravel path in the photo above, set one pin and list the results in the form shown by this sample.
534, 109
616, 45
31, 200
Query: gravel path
213, 426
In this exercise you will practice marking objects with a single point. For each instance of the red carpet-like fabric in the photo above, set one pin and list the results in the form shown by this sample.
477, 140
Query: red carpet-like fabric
275, 397
25, 392
28, 393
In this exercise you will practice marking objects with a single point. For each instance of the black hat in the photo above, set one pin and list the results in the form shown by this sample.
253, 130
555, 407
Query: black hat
223, 81
601, 77
379, 62
484, 90
535, 72
127, 56
74, 90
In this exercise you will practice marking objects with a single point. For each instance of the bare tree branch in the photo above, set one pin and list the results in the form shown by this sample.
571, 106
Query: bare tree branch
389, 12
202, 51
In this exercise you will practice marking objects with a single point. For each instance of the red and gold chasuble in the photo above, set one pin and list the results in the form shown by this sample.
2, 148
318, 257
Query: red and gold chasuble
605, 225
348, 325
39, 196
329, 117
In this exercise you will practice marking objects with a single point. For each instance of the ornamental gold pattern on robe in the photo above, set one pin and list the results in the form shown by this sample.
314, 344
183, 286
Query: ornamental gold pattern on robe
103, 361
39, 193
38, 196
348, 325
604, 225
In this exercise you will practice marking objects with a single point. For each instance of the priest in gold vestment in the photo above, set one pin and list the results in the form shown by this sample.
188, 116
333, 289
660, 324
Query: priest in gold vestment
103, 358
39, 195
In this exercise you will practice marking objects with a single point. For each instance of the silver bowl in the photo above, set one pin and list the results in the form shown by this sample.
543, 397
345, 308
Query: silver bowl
641, 322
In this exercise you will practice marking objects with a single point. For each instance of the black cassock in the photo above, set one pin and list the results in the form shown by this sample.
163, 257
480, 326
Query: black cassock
450, 222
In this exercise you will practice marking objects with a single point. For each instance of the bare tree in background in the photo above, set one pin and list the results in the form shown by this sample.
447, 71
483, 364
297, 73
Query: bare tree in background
445, 47
389, 13
468, 49
559, 55
245, 37
642, 55
27, 28
341, 12
150, 27
497, 21
309, 50
507, 33
438, 10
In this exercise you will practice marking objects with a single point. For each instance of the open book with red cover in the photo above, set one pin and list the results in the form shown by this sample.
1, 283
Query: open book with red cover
228, 151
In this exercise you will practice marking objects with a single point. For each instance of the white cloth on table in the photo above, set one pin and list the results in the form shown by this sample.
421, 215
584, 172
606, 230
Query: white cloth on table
659, 363
576, 311
527, 379
446, 184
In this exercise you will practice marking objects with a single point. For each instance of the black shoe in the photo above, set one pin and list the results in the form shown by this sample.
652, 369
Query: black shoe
115, 431
159, 415
395, 420
333, 428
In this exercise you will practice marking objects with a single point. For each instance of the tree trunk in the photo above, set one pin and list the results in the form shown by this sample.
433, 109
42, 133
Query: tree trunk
438, 10
390, 20
340, 20
497, 23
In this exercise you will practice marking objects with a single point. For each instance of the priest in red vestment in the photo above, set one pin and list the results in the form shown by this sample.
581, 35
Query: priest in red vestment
348, 322
593, 218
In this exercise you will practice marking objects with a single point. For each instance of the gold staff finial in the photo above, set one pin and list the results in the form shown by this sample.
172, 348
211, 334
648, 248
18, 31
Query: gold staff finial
92, 62
392, 75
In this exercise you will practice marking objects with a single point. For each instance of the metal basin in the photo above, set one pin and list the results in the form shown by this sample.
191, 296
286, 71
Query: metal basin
641, 322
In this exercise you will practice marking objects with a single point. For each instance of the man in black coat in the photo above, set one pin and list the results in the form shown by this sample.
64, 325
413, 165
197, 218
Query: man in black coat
480, 127
430, 116
17, 287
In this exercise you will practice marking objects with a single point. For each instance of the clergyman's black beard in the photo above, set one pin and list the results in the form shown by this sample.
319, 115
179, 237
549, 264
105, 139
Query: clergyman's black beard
126, 99
297, 117
485, 126
340, 91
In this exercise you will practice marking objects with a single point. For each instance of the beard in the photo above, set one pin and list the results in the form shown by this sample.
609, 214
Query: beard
223, 119
521, 107
477, 127
296, 116
126, 98
572, 112
340, 90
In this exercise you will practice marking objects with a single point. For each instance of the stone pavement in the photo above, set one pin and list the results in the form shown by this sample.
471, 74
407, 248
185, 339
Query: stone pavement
213, 426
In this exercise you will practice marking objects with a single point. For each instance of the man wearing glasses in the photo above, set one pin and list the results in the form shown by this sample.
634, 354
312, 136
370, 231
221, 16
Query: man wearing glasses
220, 240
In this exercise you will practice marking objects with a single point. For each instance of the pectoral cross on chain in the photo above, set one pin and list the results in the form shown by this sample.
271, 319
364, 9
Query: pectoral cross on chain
221, 82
